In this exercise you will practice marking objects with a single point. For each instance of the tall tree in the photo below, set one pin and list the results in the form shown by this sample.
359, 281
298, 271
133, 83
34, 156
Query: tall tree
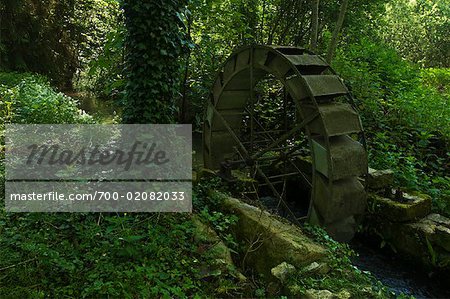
51, 37
39, 36
314, 25
337, 29
153, 42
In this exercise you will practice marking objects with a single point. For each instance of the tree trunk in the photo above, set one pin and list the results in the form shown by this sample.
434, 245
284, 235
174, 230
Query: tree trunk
314, 25
154, 42
183, 115
337, 29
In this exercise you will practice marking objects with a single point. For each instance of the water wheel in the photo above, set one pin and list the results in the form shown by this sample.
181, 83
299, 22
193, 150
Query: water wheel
318, 112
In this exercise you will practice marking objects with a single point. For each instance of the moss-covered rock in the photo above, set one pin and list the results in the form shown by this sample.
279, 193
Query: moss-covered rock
319, 294
268, 241
426, 240
213, 246
380, 179
283, 271
411, 208
325, 294
437, 230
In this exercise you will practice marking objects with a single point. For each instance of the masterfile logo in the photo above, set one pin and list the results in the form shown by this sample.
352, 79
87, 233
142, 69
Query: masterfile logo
93, 168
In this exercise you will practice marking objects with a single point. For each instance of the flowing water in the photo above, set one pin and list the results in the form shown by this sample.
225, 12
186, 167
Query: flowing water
400, 276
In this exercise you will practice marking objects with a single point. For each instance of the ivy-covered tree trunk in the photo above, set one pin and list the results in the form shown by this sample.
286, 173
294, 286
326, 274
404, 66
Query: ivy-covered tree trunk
153, 44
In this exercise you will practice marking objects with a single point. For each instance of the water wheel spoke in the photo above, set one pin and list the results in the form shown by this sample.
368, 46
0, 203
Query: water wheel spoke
277, 195
232, 133
285, 136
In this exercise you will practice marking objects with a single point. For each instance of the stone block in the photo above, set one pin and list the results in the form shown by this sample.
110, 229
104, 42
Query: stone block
325, 294
338, 200
269, 241
283, 271
380, 179
437, 229
316, 268
426, 241
413, 207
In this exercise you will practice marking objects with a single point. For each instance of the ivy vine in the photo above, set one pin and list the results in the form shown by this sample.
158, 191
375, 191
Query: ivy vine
154, 42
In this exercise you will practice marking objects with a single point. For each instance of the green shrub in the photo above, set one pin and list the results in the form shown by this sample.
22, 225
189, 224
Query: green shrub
27, 98
2, 179
405, 113
391, 91
437, 78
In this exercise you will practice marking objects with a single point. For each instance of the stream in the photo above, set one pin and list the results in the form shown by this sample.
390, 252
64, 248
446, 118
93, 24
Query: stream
398, 275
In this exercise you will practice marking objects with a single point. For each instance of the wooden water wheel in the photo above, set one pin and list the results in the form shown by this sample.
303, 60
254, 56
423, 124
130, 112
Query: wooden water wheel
323, 116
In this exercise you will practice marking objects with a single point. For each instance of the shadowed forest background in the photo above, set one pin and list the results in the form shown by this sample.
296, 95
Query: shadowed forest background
108, 61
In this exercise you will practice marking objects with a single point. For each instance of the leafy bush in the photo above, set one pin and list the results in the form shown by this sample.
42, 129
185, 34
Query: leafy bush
27, 98
390, 90
104, 74
405, 113
437, 78
2, 176
418, 30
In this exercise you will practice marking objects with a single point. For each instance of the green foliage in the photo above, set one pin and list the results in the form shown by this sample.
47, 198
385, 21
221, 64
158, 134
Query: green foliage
100, 255
103, 56
104, 76
404, 109
110, 255
2, 169
418, 30
216, 28
222, 225
208, 206
95, 255
53, 38
437, 78
26, 98
405, 113
154, 42
29, 39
